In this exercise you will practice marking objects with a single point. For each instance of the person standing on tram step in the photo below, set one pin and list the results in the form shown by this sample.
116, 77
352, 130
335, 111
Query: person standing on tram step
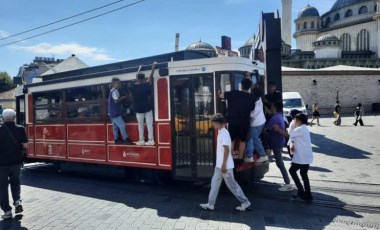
338, 119
143, 104
270, 98
224, 168
13, 140
302, 156
240, 105
359, 112
257, 125
277, 142
114, 111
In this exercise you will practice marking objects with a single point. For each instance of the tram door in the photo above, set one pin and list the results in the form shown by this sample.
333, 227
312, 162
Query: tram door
193, 134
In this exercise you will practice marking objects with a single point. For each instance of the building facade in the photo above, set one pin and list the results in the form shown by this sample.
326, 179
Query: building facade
350, 85
348, 34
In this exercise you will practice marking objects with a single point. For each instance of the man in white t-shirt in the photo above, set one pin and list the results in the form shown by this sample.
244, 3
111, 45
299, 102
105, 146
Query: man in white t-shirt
257, 124
224, 168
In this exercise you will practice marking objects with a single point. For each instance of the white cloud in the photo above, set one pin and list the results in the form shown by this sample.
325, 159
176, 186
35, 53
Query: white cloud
93, 53
3, 34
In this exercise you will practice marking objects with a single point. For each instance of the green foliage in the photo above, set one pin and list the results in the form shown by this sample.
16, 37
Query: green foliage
6, 82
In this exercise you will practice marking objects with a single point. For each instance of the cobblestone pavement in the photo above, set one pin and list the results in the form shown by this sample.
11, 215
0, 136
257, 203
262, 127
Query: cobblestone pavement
346, 156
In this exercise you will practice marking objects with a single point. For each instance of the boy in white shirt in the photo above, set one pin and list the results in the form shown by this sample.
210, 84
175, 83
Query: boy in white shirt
224, 168
302, 156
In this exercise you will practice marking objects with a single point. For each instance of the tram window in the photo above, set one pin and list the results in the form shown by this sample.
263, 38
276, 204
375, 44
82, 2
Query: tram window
84, 103
48, 106
227, 82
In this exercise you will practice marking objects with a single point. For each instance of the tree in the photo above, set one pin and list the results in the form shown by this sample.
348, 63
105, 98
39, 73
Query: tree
6, 82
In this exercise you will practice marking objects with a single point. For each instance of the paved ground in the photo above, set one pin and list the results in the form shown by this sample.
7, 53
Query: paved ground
345, 180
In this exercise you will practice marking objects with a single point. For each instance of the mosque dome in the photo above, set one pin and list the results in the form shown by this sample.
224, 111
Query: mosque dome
343, 3
308, 11
327, 37
200, 46
249, 42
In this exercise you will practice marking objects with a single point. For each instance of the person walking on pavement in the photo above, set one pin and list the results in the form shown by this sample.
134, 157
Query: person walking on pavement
224, 168
302, 156
359, 112
338, 119
277, 142
114, 111
143, 104
316, 114
13, 140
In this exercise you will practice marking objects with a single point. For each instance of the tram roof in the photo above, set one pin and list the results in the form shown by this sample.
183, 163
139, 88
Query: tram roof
120, 67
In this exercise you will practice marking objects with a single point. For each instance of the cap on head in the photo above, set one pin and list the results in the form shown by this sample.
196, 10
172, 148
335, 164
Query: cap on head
9, 115
115, 79
294, 112
218, 118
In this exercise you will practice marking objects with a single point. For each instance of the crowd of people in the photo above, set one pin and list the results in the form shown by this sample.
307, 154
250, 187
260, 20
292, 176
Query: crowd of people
141, 95
256, 124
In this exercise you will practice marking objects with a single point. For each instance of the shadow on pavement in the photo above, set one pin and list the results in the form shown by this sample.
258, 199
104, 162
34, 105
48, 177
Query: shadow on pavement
181, 199
13, 224
319, 169
337, 149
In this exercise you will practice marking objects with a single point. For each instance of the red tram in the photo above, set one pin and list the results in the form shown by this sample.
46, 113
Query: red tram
66, 119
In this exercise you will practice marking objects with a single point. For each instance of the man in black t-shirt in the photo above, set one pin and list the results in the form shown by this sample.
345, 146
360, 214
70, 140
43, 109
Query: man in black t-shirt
143, 105
240, 106
13, 140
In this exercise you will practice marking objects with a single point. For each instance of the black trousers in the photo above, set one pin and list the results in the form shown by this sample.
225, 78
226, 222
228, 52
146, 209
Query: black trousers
9, 175
304, 190
359, 120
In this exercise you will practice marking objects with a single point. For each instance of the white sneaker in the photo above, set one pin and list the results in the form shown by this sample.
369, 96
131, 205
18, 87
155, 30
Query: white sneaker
248, 160
207, 206
286, 188
244, 206
262, 159
7, 215
151, 142
140, 143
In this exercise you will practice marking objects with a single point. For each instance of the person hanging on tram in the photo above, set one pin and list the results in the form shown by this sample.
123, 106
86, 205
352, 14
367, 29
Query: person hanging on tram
114, 111
142, 96
240, 105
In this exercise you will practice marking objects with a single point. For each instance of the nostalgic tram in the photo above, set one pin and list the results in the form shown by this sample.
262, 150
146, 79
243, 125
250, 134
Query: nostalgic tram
66, 116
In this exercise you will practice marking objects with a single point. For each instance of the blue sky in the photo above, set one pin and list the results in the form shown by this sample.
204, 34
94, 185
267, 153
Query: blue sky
142, 30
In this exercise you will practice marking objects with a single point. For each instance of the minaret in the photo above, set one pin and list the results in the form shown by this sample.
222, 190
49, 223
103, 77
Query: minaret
286, 21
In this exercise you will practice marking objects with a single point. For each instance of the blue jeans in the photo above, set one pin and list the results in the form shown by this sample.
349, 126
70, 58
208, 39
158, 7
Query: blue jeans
118, 124
9, 175
254, 141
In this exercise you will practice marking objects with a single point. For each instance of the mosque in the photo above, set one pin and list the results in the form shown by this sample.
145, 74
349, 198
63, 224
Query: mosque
348, 34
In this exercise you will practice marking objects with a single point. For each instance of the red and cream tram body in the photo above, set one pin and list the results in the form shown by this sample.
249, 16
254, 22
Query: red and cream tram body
66, 119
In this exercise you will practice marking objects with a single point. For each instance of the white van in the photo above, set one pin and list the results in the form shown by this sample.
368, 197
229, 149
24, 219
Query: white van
293, 100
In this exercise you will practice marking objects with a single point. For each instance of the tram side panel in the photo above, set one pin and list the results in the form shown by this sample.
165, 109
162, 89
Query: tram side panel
29, 125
